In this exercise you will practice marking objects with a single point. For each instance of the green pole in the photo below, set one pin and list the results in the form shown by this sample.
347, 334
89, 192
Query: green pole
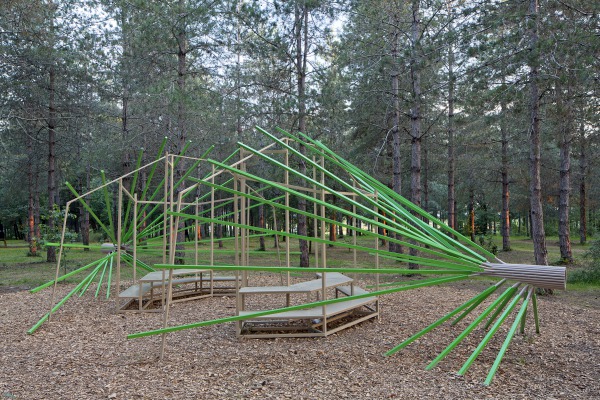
535, 313
392, 255
396, 256
382, 188
507, 341
489, 335
108, 232
131, 190
90, 280
459, 255
58, 305
105, 265
358, 174
497, 312
108, 281
483, 295
467, 311
63, 277
108, 205
508, 292
291, 308
311, 269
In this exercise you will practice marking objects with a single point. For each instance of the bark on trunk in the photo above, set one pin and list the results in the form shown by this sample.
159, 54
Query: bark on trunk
36, 203
451, 159
396, 160
415, 116
30, 209
582, 185
425, 177
301, 36
182, 50
85, 215
505, 216
535, 186
472, 214
564, 232
51, 253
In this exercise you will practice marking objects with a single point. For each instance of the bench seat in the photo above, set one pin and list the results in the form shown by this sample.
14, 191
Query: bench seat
315, 312
331, 280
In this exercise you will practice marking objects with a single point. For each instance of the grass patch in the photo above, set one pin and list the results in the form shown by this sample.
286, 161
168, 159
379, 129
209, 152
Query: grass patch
589, 275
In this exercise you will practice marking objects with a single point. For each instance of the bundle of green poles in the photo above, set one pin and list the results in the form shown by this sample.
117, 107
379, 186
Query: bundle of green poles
448, 252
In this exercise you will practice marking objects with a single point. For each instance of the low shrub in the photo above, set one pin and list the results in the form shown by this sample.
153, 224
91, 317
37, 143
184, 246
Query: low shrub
591, 272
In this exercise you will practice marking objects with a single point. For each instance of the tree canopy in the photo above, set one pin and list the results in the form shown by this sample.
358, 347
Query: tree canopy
439, 99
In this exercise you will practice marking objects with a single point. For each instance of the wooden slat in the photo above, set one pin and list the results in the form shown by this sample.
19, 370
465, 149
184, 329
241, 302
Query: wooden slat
347, 290
316, 312
332, 279
134, 291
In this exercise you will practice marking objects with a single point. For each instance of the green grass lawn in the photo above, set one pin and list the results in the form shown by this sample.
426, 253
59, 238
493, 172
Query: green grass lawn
522, 250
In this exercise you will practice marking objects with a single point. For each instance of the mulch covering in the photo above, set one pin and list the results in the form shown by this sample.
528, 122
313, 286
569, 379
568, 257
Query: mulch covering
83, 353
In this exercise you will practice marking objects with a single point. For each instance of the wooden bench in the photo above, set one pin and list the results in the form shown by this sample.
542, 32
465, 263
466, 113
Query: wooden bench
314, 321
331, 310
145, 294
331, 280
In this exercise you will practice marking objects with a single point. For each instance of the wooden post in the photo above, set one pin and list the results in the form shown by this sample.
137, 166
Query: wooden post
315, 211
60, 251
287, 215
119, 234
135, 200
323, 249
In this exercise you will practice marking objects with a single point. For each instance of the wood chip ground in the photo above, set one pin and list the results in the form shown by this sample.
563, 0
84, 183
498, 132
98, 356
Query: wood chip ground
83, 353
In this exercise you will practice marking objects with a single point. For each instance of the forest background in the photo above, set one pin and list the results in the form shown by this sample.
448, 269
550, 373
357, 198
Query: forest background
484, 113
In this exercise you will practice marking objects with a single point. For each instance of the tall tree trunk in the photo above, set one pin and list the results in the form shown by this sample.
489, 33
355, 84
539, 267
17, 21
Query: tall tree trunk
415, 115
30, 209
182, 50
301, 35
582, 184
36, 202
472, 213
426, 177
564, 233
535, 185
451, 160
332, 230
126, 160
396, 159
505, 215
85, 215
238, 67
51, 252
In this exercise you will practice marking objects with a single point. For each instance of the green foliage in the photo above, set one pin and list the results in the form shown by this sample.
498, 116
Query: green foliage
487, 242
591, 273
53, 235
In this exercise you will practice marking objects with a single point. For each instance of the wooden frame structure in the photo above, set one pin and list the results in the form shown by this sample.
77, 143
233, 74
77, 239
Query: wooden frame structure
316, 322
447, 254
